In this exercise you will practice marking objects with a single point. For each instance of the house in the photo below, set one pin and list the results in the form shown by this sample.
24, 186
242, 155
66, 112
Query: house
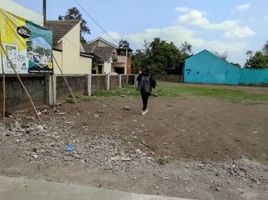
207, 68
112, 59
68, 51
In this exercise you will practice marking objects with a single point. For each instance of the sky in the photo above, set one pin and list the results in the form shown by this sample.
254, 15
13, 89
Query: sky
224, 26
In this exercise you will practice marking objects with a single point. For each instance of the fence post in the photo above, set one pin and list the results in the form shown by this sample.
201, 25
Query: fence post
108, 81
47, 89
127, 79
120, 81
54, 88
89, 84
51, 89
135, 79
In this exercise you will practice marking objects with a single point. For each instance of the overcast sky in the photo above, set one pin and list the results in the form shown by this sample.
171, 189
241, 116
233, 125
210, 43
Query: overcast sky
232, 26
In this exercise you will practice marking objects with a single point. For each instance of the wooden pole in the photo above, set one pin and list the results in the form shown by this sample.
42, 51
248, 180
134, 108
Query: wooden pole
70, 89
3, 80
26, 91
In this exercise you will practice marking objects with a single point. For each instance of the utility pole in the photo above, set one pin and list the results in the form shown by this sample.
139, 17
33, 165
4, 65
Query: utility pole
45, 11
126, 62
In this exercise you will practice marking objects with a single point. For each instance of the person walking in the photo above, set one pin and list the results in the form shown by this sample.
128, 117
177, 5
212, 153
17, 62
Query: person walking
145, 85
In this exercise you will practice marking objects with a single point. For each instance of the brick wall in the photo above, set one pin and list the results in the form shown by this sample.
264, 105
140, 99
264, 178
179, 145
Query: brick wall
129, 65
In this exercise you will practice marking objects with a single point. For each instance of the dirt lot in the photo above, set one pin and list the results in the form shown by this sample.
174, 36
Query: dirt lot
193, 147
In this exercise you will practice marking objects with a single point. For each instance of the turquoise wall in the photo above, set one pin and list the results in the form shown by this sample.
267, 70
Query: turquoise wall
205, 67
254, 76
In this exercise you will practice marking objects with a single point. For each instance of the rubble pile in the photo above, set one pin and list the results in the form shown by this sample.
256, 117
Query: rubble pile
47, 144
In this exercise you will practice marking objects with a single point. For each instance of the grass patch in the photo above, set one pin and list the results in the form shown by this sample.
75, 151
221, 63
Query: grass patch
175, 90
233, 95
86, 98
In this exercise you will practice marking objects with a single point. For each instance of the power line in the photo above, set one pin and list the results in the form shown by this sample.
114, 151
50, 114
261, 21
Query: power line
95, 21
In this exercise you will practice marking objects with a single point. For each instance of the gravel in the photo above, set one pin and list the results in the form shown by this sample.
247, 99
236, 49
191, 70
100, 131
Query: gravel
46, 144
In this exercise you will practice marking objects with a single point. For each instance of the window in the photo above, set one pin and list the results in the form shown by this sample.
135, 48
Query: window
100, 69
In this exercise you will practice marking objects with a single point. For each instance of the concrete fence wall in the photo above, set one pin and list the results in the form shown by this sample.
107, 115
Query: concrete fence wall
45, 89
114, 82
77, 83
124, 79
169, 78
16, 98
108, 82
98, 83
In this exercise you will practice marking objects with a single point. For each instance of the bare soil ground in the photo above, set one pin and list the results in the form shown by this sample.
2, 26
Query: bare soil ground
193, 147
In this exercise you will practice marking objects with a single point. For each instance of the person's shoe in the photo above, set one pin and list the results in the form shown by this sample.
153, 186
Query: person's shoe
144, 112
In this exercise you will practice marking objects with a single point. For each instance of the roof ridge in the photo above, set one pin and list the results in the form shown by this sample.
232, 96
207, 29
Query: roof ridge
61, 27
63, 21
105, 41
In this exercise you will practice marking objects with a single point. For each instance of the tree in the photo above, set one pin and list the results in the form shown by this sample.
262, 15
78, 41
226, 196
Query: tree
123, 44
249, 53
161, 56
257, 61
141, 57
124, 47
236, 64
186, 48
164, 56
74, 13
265, 49
139, 60
222, 56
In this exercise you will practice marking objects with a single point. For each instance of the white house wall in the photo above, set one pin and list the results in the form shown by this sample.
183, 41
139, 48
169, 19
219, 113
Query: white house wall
58, 58
71, 50
72, 62
86, 65
107, 67
69, 59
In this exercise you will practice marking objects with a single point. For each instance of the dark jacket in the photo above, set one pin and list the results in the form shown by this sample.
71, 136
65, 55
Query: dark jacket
145, 82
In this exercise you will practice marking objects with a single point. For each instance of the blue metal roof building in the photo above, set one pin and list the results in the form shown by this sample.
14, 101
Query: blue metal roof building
207, 68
